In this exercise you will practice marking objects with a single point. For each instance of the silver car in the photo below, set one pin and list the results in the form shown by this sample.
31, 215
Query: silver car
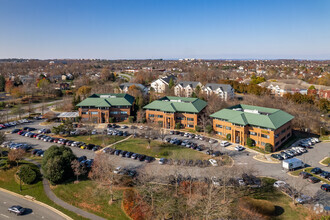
18, 210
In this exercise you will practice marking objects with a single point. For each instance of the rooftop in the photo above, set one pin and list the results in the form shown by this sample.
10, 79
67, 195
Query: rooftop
254, 115
177, 104
108, 100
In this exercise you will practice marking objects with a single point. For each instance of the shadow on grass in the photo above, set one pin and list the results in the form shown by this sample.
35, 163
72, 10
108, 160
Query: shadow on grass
278, 211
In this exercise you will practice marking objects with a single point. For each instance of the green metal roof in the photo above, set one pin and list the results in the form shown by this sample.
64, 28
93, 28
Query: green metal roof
177, 104
254, 115
108, 100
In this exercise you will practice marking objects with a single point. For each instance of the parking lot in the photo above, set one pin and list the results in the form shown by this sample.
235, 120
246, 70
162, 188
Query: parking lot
243, 159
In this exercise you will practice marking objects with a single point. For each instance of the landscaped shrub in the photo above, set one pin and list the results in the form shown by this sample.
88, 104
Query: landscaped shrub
250, 142
197, 128
111, 120
130, 119
228, 137
177, 126
165, 154
209, 128
27, 174
268, 147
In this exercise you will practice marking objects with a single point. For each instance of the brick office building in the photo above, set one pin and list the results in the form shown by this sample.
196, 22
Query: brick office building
263, 125
99, 108
170, 110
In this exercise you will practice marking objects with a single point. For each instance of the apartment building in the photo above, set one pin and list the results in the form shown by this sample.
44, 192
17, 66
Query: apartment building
224, 91
186, 88
160, 85
171, 110
99, 108
123, 88
262, 125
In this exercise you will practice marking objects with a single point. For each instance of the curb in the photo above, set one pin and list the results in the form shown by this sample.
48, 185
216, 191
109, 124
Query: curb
273, 162
37, 202
326, 165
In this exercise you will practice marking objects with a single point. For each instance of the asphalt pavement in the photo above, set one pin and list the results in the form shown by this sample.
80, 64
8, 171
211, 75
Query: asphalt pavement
33, 210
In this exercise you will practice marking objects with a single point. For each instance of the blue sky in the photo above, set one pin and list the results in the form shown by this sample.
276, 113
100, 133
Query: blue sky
138, 29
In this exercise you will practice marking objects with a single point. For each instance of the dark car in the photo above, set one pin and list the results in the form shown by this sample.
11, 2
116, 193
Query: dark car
277, 156
216, 154
325, 174
142, 157
326, 187
31, 129
69, 143
90, 146
15, 131
305, 175
316, 170
123, 153
40, 152
117, 152
209, 152
34, 151
132, 173
18, 210
82, 158
149, 159
96, 148
313, 179
128, 154
134, 156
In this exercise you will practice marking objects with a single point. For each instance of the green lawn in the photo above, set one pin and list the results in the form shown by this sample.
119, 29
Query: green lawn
102, 140
285, 208
308, 170
7, 181
326, 161
88, 196
160, 149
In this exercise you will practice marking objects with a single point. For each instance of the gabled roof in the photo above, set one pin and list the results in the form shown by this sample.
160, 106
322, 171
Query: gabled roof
254, 115
215, 86
177, 104
127, 85
108, 100
192, 84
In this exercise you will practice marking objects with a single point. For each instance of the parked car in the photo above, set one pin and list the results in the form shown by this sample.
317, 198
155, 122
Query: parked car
325, 187
216, 153
117, 170
303, 199
313, 179
279, 183
325, 174
316, 170
239, 148
213, 162
305, 175
18, 210
224, 143
162, 161
277, 156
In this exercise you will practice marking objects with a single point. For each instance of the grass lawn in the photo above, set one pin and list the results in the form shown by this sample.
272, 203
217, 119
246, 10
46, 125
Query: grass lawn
308, 170
325, 138
160, 149
88, 196
102, 140
284, 205
326, 161
7, 181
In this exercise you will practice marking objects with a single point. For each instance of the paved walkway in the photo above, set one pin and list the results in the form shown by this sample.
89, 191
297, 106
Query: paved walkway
60, 202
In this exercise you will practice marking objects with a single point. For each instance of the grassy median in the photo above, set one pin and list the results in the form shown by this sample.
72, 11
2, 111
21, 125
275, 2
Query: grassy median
102, 140
160, 149
308, 170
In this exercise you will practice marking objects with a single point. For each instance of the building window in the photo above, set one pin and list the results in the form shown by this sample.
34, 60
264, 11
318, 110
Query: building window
179, 118
228, 128
94, 113
123, 113
277, 143
276, 135
253, 133
190, 126
218, 126
282, 139
84, 113
151, 115
190, 119
219, 133
263, 143
114, 113
160, 116
288, 135
265, 136
283, 131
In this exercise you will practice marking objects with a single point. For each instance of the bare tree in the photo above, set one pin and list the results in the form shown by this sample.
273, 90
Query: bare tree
16, 155
77, 169
102, 172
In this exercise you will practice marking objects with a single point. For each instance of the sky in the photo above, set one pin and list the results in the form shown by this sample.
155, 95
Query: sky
167, 29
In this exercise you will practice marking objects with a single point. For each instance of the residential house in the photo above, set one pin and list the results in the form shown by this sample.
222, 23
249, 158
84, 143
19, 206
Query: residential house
262, 125
161, 84
123, 88
225, 91
171, 110
100, 108
186, 88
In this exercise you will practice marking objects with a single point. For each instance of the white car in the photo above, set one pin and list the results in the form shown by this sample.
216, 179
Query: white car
213, 162
303, 199
224, 143
241, 182
279, 183
239, 148
94, 132
124, 126
215, 181
117, 170
141, 127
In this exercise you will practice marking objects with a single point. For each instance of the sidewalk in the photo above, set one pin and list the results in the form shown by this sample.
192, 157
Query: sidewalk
60, 202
